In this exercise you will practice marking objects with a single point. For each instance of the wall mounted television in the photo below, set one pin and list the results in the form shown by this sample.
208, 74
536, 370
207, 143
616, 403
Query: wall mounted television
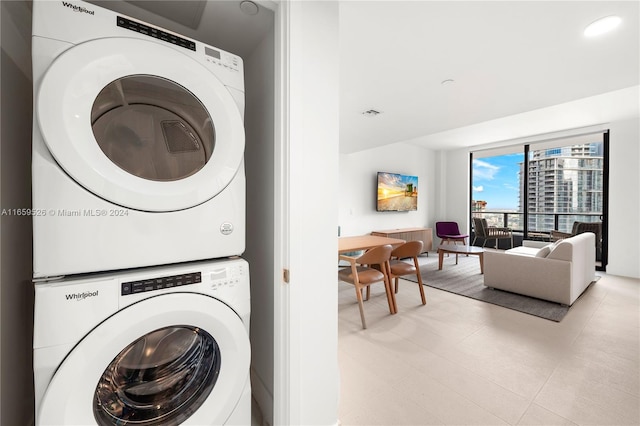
397, 192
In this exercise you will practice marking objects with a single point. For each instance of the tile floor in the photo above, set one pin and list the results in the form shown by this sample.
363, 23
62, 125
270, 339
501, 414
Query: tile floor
460, 361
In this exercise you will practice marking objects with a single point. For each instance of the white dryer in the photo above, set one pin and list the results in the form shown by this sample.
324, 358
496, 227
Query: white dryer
160, 345
138, 144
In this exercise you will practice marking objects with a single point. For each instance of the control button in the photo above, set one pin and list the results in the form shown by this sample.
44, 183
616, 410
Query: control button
126, 289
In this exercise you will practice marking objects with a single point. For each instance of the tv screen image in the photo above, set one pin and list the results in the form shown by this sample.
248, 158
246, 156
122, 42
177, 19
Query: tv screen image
397, 192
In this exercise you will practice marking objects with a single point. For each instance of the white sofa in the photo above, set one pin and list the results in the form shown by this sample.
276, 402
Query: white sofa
557, 272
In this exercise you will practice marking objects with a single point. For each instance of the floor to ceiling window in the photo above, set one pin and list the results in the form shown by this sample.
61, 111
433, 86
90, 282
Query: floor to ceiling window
540, 188
496, 186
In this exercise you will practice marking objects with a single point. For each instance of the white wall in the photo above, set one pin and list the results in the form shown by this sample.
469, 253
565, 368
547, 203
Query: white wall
16, 289
357, 188
453, 192
624, 197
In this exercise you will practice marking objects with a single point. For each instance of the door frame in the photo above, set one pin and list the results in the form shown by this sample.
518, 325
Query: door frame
306, 378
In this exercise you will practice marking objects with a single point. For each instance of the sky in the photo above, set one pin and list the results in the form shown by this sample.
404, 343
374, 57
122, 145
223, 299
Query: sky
495, 180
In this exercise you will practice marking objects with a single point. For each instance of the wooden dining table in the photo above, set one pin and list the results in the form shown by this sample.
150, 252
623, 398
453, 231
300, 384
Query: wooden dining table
365, 242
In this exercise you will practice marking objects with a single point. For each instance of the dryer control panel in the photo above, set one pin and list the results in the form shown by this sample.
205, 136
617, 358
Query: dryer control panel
222, 58
225, 60
150, 31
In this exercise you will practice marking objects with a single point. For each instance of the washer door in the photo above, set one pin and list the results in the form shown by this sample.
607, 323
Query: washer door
139, 124
179, 358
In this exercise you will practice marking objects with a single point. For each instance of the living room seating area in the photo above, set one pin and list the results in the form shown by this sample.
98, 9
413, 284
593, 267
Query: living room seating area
559, 272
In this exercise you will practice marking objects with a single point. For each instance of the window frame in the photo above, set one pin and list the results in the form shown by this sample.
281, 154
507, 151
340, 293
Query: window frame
556, 143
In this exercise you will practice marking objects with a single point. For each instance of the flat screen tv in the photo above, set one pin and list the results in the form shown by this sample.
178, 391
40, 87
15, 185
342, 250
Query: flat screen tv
397, 193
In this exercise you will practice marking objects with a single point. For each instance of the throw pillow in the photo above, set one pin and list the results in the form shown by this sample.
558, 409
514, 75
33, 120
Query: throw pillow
544, 251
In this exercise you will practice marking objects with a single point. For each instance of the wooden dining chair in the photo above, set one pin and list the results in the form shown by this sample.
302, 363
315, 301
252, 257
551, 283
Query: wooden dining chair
368, 269
398, 268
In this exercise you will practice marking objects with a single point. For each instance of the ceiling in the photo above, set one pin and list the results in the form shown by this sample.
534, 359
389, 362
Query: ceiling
520, 68
510, 61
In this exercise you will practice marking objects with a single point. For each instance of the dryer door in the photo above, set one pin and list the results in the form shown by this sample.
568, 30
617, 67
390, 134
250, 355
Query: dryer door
140, 124
178, 358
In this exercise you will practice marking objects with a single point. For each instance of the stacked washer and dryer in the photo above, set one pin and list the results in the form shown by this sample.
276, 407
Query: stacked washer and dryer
141, 302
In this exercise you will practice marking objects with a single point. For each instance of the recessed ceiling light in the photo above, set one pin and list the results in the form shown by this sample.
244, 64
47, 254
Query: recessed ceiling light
602, 25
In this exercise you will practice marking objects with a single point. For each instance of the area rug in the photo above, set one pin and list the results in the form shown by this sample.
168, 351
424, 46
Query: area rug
466, 280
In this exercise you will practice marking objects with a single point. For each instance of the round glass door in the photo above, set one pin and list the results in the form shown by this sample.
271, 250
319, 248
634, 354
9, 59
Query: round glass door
161, 378
128, 124
156, 362
152, 128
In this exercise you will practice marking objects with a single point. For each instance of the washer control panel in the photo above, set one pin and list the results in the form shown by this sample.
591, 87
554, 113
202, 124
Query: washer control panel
151, 284
227, 277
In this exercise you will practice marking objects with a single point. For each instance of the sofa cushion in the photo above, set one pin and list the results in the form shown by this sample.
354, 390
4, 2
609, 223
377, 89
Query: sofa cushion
530, 251
523, 251
544, 251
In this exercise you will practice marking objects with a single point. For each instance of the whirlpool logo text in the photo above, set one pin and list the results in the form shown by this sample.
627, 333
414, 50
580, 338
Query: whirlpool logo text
78, 8
81, 296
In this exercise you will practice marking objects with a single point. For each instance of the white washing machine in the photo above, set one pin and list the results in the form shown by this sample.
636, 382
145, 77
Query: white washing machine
159, 345
138, 144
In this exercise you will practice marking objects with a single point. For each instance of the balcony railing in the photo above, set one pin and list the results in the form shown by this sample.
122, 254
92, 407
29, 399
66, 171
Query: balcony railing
539, 223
